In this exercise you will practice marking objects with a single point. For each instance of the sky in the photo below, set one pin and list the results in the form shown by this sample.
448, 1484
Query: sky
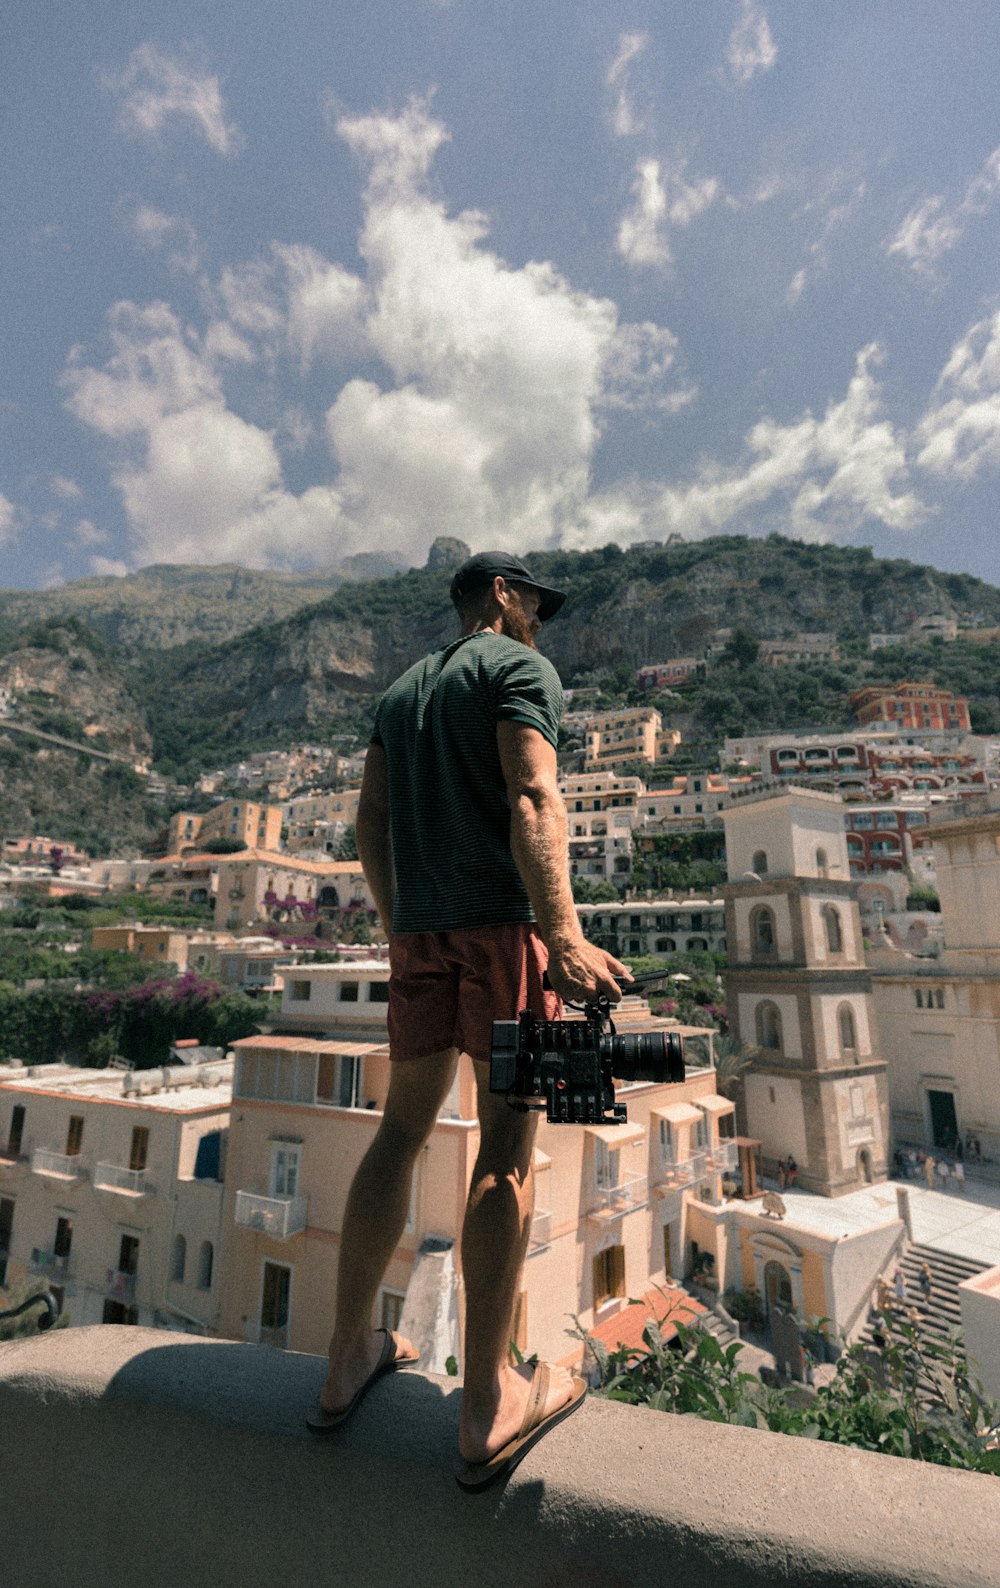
288, 283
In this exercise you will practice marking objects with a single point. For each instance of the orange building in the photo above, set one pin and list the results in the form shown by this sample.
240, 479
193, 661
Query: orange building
911, 707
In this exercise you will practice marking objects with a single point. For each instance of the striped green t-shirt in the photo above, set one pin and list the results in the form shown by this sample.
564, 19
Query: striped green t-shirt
449, 813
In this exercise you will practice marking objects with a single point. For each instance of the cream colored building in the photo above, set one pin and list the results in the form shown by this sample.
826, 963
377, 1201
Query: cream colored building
601, 811
111, 1189
252, 885
257, 826
939, 1017
316, 823
619, 738
799, 992
611, 1201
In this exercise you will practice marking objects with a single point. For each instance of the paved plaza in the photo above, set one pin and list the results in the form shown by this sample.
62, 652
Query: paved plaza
965, 1223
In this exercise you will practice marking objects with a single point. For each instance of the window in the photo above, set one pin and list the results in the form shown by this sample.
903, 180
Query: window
300, 991
609, 1274
391, 1309
834, 935
822, 864
759, 862
140, 1148
762, 932
848, 1032
348, 992
378, 992
285, 1162
180, 1260
938, 998
919, 997
16, 1132
768, 1022
6, 1226
606, 1161
74, 1136
205, 1262
128, 1255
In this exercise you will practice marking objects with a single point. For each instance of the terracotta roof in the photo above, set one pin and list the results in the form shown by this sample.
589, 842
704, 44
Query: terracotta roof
667, 1307
345, 1045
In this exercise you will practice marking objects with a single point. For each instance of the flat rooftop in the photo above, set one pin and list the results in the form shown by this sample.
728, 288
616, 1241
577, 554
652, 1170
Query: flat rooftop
185, 1095
967, 1224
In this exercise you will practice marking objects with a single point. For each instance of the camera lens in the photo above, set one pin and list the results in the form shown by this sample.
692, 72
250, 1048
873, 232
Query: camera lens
656, 1056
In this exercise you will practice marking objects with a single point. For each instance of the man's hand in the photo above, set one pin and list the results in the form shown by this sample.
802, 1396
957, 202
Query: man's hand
581, 973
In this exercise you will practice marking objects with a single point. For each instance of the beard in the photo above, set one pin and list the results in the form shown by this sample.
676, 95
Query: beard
515, 623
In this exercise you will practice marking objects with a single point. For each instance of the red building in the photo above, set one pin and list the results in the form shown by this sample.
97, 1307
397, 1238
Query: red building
911, 708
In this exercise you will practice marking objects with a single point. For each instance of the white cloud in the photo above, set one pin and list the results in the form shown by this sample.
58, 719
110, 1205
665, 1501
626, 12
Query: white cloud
625, 119
325, 305
823, 479
638, 367
960, 433
108, 566
156, 89
8, 516
86, 534
67, 490
933, 228
751, 49
835, 218
662, 197
157, 231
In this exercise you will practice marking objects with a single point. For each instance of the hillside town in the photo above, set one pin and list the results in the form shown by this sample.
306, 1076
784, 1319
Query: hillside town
823, 909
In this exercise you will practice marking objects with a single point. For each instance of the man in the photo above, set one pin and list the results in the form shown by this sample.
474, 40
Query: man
461, 831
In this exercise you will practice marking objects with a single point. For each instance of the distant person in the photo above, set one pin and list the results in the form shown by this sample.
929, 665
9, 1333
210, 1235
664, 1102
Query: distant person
942, 1170
792, 1171
926, 1281
461, 831
959, 1172
929, 1167
781, 1176
899, 1287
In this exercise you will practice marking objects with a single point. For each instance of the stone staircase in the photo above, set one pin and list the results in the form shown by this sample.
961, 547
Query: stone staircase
940, 1315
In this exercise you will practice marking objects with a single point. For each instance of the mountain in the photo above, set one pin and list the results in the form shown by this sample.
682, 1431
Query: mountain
307, 669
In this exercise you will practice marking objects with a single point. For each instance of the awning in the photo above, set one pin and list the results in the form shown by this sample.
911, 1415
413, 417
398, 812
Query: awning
717, 1105
679, 1114
616, 1135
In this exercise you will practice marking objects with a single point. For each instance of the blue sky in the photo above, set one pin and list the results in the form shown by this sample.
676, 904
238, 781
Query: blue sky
288, 283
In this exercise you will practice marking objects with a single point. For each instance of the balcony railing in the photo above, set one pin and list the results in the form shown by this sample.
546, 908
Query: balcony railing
279, 1217
66, 1166
48, 1265
632, 1191
256, 1333
120, 1285
541, 1231
676, 1174
723, 1158
110, 1177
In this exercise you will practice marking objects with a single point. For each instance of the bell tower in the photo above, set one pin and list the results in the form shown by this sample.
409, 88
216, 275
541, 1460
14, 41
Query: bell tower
799, 993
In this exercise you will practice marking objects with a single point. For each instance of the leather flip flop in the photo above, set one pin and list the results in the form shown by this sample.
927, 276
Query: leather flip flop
473, 1476
324, 1422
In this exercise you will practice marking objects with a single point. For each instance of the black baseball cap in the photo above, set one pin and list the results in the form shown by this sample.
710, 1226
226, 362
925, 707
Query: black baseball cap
483, 568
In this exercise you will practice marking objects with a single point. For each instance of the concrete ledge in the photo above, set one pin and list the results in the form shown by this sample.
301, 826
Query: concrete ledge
134, 1456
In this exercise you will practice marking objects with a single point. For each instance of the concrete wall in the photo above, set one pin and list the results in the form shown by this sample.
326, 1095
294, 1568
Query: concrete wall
190, 1464
979, 1299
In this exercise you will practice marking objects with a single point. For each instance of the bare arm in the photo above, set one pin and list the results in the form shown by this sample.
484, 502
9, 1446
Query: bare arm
577, 969
371, 831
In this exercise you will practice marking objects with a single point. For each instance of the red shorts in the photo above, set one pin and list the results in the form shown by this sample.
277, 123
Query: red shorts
447, 988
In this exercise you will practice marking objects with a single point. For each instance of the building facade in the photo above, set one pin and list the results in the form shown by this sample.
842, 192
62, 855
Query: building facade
799, 992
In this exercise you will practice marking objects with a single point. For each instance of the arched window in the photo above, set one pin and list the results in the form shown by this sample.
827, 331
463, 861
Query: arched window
205, 1266
180, 1260
760, 862
834, 935
848, 1030
768, 1022
666, 945
822, 864
762, 932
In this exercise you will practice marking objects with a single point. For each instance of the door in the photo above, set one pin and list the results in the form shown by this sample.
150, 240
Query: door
128, 1255
16, 1132
944, 1121
74, 1136
666, 1250
275, 1290
140, 1148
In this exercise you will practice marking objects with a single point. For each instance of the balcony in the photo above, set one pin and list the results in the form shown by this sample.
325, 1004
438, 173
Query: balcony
611, 1202
133, 1182
120, 1285
678, 1174
257, 1333
541, 1231
47, 1265
723, 1159
279, 1217
60, 1164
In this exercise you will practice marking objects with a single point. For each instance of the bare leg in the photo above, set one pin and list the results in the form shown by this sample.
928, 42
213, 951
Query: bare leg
494, 1241
375, 1217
